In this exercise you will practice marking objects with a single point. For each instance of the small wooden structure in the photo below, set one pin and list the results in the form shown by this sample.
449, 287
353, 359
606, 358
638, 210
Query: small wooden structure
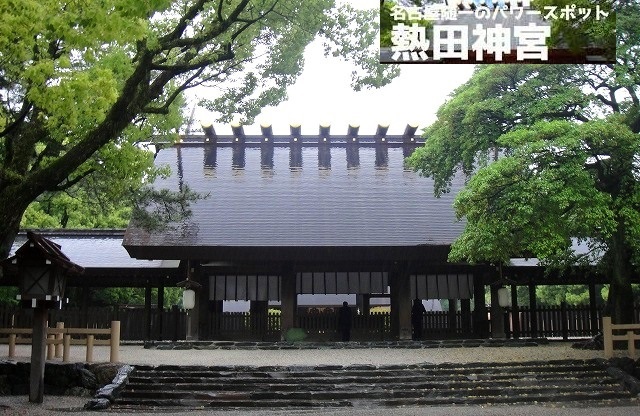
42, 269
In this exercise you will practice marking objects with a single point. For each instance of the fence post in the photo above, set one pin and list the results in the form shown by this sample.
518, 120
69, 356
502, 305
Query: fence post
50, 346
59, 325
66, 348
631, 343
608, 336
89, 356
12, 345
115, 342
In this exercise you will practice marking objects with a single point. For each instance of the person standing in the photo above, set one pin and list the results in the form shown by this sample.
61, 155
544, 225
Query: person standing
417, 322
344, 321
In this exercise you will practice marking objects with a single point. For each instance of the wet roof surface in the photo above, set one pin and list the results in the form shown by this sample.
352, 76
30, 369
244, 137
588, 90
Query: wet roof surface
92, 248
309, 198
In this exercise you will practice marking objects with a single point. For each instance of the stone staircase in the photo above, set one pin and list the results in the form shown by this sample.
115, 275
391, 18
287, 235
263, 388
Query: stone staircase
370, 386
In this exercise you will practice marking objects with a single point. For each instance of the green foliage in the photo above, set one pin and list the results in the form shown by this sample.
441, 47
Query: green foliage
387, 22
582, 33
604, 293
120, 296
83, 83
158, 209
8, 295
552, 154
555, 295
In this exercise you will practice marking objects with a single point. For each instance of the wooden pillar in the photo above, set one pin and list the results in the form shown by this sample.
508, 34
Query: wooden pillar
201, 311
533, 313
453, 308
497, 314
176, 323
515, 312
400, 304
289, 302
84, 306
465, 311
593, 309
38, 355
147, 312
259, 310
216, 308
160, 310
480, 319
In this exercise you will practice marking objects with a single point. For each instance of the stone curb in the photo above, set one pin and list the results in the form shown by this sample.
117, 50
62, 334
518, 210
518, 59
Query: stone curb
283, 345
620, 368
107, 394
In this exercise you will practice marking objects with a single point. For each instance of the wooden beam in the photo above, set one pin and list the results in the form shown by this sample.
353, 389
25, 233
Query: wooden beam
296, 130
409, 133
324, 134
381, 133
267, 133
209, 133
238, 133
352, 133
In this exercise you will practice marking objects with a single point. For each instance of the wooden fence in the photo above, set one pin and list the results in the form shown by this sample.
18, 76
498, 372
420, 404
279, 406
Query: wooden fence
59, 340
170, 324
562, 321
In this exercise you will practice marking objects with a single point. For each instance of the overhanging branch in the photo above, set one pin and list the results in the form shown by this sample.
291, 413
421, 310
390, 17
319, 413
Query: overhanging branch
69, 183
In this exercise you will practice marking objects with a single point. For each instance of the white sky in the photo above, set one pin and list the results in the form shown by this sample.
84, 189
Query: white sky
323, 94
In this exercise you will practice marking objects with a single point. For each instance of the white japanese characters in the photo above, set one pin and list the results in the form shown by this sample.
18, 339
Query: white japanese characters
487, 28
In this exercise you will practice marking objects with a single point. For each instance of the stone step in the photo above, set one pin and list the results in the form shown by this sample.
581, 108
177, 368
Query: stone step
377, 392
362, 385
553, 366
486, 372
283, 377
288, 378
238, 401
185, 383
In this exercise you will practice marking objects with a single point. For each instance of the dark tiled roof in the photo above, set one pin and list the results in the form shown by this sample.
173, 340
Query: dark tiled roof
91, 248
316, 196
39, 247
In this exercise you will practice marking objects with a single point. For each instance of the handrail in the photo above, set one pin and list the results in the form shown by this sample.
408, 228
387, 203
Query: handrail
629, 336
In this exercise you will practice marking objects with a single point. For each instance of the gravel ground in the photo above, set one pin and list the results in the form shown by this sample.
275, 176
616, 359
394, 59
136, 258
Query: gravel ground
56, 405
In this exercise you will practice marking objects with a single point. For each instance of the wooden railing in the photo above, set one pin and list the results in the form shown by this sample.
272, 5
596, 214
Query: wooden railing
630, 336
60, 339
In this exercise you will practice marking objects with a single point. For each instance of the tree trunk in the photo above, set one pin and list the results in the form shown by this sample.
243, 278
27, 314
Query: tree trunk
10, 217
619, 268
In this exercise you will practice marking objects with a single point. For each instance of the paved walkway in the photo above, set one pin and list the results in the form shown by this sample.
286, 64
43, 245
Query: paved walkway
137, 354
203, 355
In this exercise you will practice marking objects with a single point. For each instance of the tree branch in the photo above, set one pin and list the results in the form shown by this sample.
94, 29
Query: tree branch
24, 111
69, 183
164, 109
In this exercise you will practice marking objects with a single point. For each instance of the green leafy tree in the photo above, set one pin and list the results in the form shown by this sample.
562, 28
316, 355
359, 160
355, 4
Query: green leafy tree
552, 152
81, 83
118, 296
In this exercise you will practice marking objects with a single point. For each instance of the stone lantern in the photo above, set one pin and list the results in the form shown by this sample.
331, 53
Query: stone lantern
42, 269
